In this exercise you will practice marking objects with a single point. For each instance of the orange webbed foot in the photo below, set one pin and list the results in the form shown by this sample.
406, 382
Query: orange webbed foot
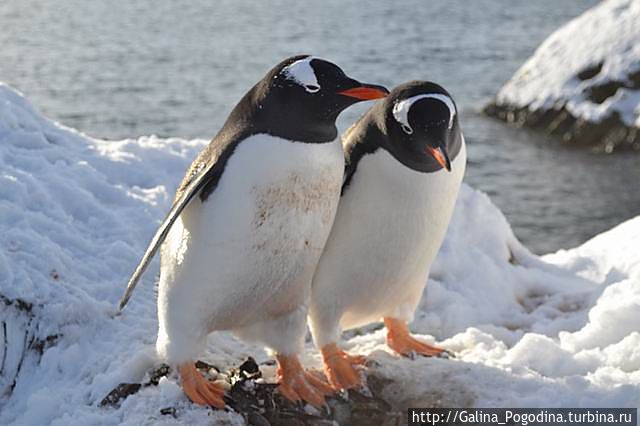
296, 384
198, 389
400, 340
341, 369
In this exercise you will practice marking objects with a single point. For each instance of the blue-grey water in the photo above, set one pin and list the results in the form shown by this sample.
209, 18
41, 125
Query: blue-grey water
117, 69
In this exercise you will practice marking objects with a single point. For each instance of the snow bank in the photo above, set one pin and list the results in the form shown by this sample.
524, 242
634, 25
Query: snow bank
76, 213
557, 331
583, 82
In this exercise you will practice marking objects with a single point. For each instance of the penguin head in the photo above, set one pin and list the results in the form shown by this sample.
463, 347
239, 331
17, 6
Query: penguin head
320, 86
303, 96
421, 120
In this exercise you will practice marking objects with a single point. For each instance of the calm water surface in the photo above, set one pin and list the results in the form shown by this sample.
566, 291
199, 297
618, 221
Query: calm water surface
175, 68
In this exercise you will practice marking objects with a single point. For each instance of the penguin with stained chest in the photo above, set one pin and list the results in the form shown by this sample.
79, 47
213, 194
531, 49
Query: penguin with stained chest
241, 242
405, 160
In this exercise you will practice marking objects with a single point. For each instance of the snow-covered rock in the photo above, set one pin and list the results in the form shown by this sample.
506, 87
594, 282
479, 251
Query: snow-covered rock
77, 212
583, 82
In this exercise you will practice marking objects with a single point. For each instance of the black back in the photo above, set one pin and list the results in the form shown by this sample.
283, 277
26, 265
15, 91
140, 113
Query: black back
379, 129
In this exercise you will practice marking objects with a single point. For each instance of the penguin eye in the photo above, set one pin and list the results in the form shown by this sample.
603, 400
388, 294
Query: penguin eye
407, 129
311, 88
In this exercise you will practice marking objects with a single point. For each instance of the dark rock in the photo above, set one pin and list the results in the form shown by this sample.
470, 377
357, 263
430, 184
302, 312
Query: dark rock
40, 345
256, 419
201, 365
260, 403
601, 92
609, 135
17, 303
157, 374
168, 411
249, 367
122, 391
633, 80
589, 73
23, 347
598, 77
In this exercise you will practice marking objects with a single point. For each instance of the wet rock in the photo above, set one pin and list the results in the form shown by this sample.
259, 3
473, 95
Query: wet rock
201, 365
169, 411
21, 345
609, 135
584, 90
590, 72
260, 403
124, 390
157, 374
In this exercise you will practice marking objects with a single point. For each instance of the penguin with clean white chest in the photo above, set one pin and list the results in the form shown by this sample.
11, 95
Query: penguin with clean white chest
405, 159
248, 224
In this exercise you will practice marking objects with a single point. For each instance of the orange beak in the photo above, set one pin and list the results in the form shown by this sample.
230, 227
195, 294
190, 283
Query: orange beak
440, 157
366, 92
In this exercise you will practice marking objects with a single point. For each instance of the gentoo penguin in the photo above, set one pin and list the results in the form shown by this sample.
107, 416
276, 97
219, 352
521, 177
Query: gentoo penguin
405, 159
248, 224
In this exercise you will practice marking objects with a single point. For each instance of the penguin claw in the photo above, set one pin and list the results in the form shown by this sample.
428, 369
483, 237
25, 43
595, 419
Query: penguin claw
198, 389
342, 369
215, 389
296, 384
317, 380
401, 341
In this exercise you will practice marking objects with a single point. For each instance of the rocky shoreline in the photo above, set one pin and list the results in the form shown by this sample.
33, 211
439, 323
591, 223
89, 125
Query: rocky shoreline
260, 404
581, 86
606, 136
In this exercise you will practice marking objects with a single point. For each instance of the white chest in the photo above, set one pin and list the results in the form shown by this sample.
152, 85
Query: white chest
261, 231
287, 189
268, 183
409, 209
388, 229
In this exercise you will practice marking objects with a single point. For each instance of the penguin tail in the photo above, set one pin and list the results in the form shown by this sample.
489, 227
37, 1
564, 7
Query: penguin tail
161, 234
154, 246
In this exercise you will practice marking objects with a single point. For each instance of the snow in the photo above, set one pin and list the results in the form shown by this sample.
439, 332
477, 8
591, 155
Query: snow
606, 35
77, 212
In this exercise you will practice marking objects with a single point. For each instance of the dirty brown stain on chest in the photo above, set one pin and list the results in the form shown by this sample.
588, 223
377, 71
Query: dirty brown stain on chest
295, 195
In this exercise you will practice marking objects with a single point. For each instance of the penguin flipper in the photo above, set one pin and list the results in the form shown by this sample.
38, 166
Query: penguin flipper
183, 199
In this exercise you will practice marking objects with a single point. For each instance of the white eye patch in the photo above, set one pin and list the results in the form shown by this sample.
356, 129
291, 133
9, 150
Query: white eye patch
302, 73
401, 109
